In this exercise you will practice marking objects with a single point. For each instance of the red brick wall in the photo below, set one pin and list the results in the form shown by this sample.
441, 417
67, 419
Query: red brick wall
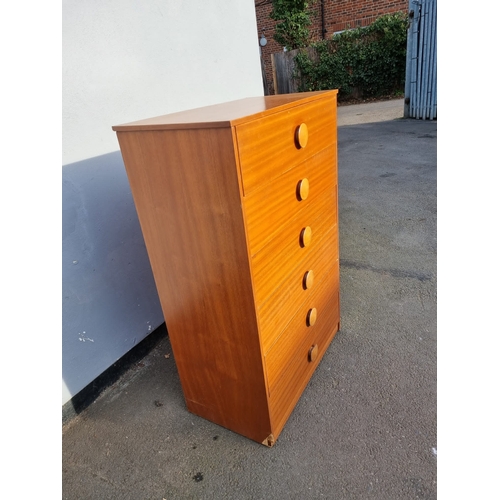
339, 15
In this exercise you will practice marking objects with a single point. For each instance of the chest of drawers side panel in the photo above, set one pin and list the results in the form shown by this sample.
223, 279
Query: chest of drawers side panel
186, 191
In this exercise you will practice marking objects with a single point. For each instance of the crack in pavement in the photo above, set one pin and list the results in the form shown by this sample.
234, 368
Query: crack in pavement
396, 273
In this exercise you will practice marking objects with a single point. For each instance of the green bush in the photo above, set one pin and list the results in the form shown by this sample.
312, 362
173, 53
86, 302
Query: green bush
293, 30
369, 60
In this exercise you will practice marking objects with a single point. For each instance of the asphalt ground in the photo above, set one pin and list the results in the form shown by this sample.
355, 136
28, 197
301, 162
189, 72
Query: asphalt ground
366, 424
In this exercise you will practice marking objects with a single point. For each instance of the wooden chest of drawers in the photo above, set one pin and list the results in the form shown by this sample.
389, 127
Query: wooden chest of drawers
238, 206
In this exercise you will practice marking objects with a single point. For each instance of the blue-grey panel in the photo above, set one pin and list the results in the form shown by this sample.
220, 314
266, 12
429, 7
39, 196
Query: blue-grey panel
421, 62
110, 302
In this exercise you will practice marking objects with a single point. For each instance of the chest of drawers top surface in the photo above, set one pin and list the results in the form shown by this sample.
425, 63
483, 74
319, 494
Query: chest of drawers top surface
225, 114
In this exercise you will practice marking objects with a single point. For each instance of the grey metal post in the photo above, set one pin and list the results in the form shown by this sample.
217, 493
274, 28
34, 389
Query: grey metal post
409, 53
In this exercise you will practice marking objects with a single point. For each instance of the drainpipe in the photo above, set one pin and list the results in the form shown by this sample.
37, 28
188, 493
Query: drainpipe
323, 30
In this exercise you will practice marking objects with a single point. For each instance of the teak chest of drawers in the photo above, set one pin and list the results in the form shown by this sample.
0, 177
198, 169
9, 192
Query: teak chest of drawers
238, 206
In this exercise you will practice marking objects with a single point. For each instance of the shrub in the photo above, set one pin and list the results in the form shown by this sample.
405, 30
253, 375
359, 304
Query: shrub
293, 30
370, 60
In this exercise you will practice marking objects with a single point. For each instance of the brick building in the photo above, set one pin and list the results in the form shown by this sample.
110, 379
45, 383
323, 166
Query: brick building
329, 17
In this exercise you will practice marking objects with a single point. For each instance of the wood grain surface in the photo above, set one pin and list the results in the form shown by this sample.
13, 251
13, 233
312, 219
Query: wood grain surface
267, 146
186, 192
216, 192
275, 203
277, 310
284, 253
225, 114
288, 366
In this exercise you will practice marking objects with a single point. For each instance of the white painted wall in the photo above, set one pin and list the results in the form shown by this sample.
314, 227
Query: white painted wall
125, 60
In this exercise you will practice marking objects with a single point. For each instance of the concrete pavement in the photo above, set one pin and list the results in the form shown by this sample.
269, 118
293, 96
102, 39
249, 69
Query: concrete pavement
370, 112
365, 427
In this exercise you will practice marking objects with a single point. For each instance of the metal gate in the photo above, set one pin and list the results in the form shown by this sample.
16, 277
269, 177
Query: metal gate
421, 61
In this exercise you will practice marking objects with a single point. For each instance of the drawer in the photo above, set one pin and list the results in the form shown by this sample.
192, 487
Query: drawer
271, 207
280, 306
267, 147
295, 247
293, 359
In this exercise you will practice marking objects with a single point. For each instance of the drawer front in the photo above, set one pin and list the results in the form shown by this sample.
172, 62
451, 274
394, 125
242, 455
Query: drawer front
276, 312
274, 205
270, 146
294, 245
293, 359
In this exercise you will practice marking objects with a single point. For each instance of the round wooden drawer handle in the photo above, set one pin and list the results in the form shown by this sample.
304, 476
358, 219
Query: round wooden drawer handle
305, 236
308, 279
301, 135
312, 315
303, 189
313, 353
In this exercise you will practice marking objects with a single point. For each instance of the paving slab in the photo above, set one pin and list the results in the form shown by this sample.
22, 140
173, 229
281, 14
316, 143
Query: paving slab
365, 426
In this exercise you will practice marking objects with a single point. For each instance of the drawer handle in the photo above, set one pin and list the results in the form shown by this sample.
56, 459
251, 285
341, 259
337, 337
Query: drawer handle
305, 236
303, 189
312, 316
313, 353
308, 279
301, 136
